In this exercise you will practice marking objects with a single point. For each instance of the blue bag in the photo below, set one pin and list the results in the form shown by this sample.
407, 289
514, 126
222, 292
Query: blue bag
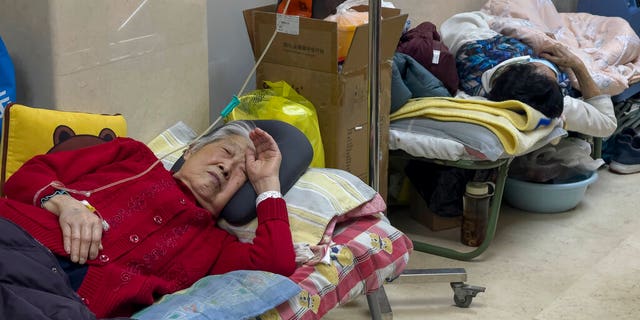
7, 81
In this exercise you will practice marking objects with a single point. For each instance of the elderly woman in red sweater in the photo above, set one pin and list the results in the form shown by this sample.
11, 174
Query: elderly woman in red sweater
126, 238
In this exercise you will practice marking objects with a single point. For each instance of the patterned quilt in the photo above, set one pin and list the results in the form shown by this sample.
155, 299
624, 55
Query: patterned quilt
354, 247
365, 252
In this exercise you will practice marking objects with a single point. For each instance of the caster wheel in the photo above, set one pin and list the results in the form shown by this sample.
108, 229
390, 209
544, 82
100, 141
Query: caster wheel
463, 302
463, 293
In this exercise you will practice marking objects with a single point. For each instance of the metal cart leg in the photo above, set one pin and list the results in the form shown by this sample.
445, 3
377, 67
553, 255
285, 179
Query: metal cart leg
379, 306
463, 293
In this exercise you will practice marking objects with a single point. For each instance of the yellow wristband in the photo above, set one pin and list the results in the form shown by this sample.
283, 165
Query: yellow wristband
105, 225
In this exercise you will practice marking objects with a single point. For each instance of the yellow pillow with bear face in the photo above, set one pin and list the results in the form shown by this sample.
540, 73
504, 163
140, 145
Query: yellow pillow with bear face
28, 132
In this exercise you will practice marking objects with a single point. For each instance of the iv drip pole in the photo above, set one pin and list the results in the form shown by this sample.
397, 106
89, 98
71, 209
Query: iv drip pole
377, 301
374, 93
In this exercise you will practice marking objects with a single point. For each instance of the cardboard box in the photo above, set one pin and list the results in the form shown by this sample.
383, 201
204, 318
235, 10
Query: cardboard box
307, 58
419, 211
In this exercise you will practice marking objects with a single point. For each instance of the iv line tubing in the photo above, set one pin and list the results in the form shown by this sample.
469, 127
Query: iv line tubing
205, 132
253, 70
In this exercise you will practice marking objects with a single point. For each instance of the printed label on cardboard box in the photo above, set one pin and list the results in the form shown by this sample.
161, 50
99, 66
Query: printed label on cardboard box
288, 24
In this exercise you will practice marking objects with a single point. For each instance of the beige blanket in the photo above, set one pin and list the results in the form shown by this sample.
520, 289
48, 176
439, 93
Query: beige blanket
609, 47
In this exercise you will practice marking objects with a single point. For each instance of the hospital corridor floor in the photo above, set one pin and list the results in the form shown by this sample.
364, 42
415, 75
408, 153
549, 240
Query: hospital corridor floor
581, 264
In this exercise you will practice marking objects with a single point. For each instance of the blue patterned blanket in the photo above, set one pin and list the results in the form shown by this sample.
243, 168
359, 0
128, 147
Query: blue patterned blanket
234, 295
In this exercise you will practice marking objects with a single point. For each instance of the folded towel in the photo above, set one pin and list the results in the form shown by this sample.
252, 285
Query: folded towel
517, 125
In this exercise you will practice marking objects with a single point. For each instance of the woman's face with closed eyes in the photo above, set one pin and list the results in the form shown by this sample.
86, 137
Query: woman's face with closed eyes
215, 172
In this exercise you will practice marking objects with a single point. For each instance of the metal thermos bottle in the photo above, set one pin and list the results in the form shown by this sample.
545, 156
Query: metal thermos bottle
475, 213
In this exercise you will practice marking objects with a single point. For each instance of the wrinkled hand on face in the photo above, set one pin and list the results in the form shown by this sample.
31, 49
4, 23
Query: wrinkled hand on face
263, 164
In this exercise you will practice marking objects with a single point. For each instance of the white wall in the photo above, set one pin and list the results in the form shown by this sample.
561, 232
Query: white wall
143, 59
230, 55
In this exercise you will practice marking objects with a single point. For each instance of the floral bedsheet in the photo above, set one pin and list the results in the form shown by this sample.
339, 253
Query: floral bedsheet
608, 46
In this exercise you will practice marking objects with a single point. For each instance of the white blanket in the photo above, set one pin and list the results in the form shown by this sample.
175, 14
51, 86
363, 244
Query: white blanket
608, 46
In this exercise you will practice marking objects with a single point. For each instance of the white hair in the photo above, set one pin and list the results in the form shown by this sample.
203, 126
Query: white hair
237, 128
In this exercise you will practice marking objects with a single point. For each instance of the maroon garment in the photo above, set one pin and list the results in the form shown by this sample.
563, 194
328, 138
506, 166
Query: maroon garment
420, 43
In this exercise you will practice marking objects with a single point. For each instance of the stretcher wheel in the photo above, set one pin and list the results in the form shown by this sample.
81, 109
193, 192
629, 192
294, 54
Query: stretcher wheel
463, 293
463, 302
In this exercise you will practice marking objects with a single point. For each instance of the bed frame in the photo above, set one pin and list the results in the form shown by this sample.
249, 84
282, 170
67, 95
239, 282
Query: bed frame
502, 166
463, 293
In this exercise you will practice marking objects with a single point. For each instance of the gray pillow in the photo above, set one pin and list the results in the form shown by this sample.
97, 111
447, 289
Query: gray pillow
473, 136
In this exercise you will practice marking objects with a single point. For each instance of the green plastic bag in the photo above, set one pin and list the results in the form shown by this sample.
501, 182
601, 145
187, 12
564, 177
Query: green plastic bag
279, 101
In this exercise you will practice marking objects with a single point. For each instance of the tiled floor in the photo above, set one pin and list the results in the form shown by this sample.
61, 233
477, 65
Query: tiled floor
582, 264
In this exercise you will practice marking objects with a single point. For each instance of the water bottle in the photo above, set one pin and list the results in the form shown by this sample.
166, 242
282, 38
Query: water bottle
475, 212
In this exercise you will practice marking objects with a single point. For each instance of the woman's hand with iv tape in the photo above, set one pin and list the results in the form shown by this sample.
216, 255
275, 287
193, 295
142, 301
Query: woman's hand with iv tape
263, 163
81, 227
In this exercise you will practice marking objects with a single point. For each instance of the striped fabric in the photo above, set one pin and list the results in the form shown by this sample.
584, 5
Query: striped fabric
319, 198
4, 99
363, 249
164, 145
338, 215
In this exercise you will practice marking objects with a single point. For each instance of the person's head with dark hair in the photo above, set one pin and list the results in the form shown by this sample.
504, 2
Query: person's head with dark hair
529, 83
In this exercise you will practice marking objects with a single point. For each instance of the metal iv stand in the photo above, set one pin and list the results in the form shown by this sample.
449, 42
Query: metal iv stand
379, 306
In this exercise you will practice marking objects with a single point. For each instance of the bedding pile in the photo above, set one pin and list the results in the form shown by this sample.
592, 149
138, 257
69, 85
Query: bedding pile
470, 129
517, 125
608, 46
353, 248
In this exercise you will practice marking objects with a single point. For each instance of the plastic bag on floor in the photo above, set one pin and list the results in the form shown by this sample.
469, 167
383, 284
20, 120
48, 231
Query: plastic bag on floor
569, 157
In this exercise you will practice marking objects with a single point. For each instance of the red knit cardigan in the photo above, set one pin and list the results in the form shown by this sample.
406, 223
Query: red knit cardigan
159, 241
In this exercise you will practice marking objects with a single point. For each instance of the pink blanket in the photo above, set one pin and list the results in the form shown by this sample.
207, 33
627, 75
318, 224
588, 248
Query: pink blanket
608, 46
